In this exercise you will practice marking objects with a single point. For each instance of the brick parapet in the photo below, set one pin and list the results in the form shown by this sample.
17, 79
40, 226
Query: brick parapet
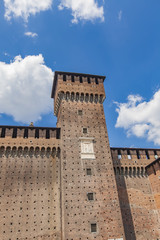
77, 87
29, 132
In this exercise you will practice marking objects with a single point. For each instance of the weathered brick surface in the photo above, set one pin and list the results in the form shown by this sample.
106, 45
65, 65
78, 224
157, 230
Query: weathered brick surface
153, 171
29, 188
77, 211
44, 184
138, 204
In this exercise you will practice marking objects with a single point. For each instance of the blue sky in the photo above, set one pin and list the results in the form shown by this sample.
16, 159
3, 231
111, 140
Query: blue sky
119, 39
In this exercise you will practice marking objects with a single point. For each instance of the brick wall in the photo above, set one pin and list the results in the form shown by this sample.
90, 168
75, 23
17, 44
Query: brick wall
29, 187
153, 171
79, 213
137, 202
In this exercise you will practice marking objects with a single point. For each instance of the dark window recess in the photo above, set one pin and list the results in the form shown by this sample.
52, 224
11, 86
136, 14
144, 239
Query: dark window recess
93, 227
84, 130
147, 155
72, 78
80, 79
80, 112
89, 80
96, 80
14, 135
37, 133
26, 133
138, 155
90, 196
64, 78
89, 171
47, 134
3, 133
119, 154
58, 135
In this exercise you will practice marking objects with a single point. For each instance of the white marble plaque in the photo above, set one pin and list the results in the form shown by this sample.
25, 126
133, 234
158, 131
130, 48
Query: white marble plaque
87, 151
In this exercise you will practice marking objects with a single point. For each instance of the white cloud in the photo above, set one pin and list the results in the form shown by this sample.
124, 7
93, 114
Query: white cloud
140, 118
83, 9
31, 34
25, 8
120, 15
25, 88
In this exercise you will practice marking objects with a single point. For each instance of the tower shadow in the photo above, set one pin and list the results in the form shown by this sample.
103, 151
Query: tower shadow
120, 175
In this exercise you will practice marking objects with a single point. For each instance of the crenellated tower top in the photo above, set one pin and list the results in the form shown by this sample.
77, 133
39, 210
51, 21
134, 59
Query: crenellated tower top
77, 87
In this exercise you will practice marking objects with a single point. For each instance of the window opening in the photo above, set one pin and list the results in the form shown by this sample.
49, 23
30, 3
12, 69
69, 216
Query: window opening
80, 112
81, 80
147, 155
84, 130
119, 154
93, 227
155, 154
64, 78
129, 155
90, 196
89, 171
138, 155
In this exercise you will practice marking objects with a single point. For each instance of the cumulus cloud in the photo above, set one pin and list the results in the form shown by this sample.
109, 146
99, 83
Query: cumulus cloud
25, 88
140, 118
25, 8
31, 34
83, 9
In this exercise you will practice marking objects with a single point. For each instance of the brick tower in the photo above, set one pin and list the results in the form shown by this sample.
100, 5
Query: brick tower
89, 200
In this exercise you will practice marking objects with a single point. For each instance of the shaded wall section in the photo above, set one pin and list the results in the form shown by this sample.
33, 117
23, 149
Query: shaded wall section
29, 186
140, 217
153, 171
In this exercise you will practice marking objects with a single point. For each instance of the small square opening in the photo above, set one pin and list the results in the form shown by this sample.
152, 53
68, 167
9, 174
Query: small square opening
80, 112
84, 130
89, 171
93, 227
90, 196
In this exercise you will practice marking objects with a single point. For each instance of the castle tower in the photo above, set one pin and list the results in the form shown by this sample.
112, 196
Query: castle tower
89, 200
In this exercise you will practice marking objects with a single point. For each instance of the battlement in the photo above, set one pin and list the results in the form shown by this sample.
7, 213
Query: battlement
29, 132
77, 87
132, 161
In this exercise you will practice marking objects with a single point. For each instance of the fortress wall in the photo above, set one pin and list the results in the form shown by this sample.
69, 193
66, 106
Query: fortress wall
79, 212
29, 132
153, 171
137, 201
29, 189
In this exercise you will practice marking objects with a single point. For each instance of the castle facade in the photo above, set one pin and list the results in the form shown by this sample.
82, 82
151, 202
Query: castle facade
66, 183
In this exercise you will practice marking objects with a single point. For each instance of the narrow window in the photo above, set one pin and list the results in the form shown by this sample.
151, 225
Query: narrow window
37, 133
96, 80
119, 154
80, 112
147, 155
90, 196
80, 79
64, 78
89, 81
138, 155
26, 133
14, 135
47, 134
93, 227
72, 78
89, 172
129, 155
155, 154
84, 130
